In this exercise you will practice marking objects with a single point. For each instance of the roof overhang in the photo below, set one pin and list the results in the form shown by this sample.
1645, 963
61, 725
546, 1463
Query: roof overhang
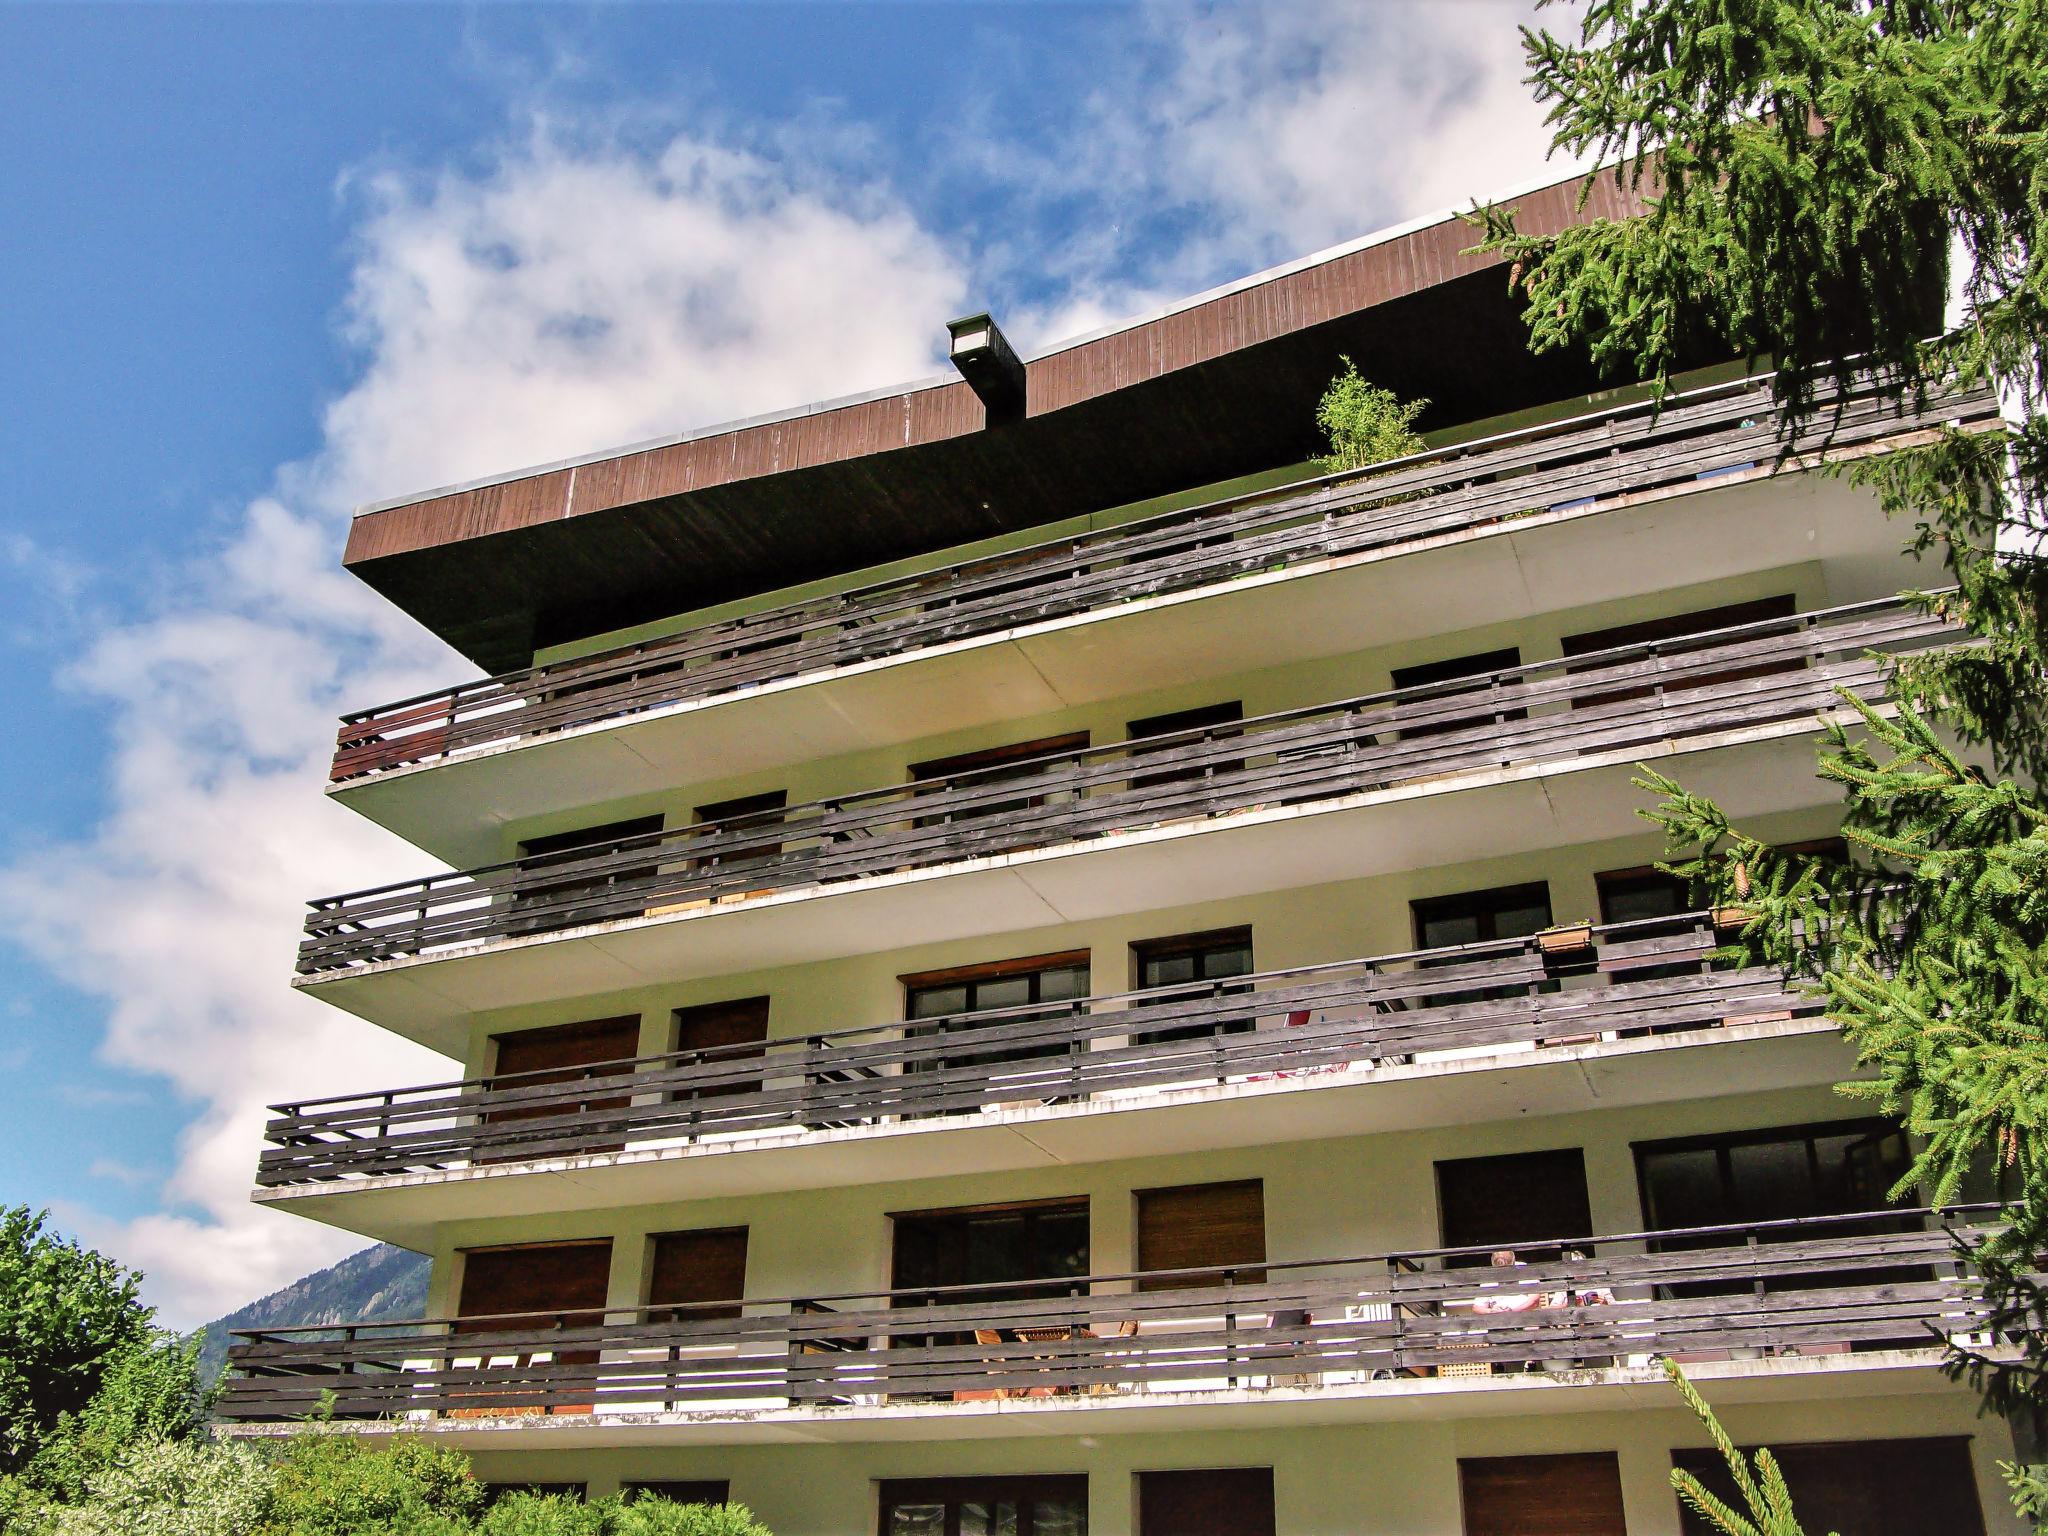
1215, 387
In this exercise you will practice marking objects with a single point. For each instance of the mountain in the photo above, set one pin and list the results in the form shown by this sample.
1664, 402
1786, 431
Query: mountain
379, 1282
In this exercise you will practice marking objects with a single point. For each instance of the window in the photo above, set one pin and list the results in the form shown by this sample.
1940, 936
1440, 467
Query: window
711, 1026
1870, 1487
688, 1269
700, 1490
1204, 718
992, 765
1237, 1501
1632, 895
1836, 1169
1013, 1249
1478, 917
568, 895
1197, 1226
745, 813
1186, 961
986, 1506
1675, 627
1004, 984
991, 1244
1475, 917
1515, 1201
1479, 667
562, 1053
1573, 1495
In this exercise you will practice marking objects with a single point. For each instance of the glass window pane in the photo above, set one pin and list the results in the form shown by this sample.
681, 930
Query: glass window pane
1060, 1517
930, 1002
917, 1520
1458, 928
1771, 1180
1520, 922
1067, 982
1684, 1189
1002, 992
1231, 960
1166, 970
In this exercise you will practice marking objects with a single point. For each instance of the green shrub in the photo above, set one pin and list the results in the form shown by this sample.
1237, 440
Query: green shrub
660, 1517
333, 1484
147, 1392
1365, 424
550, 1514
69, 1315
167, 1488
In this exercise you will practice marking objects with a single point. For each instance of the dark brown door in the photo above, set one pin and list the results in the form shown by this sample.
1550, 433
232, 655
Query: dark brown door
1194, 1226
542, 1286
689, 1269
561, 1053
1866, 1487
1523, 1201
1237, 1501
1542, 1495
716, 1026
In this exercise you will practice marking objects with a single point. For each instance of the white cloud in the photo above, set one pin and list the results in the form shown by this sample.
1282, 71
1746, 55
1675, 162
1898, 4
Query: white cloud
1224, 138
579, 291
572, 295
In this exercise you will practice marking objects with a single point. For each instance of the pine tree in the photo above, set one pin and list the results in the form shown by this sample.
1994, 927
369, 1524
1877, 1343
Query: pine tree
1818, 175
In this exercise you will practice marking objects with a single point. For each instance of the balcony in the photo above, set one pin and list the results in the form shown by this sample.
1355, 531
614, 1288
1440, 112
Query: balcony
1208, 1050
1632, 451
1276, 776
1350, 1337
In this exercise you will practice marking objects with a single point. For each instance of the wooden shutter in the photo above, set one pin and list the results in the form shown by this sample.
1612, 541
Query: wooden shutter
1543, 1495
535, 1277
562, 1051
1193, 1225
688, 1267
568, 1045
1233, 1502
743, 1021
1868, 1487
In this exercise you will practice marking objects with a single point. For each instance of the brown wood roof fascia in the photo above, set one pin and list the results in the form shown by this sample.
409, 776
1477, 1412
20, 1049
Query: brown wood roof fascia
1293, 301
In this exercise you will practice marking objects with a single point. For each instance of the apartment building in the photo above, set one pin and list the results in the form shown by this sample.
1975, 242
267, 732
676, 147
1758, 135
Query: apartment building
1021, 960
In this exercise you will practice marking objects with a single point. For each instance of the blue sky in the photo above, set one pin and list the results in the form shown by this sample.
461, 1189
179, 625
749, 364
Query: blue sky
265, 262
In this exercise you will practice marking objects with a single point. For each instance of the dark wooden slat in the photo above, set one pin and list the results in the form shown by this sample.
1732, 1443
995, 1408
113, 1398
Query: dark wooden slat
1368, 1012
1779, 1286
1645, 695
1623, 454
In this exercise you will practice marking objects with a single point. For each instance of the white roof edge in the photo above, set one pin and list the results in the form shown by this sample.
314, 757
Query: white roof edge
933, 381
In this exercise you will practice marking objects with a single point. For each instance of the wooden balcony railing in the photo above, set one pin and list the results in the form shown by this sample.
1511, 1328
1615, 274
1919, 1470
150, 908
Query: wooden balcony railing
1616, 700
1615, 455
1573, 985
1827, 1285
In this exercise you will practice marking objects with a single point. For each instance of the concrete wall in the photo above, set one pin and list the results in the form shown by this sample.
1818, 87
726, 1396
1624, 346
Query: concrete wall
1393, 1479
1262, 692
1304, 926
1323, 1199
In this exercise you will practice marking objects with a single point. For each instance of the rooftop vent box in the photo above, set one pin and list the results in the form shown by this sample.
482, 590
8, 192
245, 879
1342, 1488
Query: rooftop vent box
990, 366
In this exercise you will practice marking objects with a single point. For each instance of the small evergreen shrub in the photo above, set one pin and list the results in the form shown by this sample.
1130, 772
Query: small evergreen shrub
659, 1517
330, 1484
1365, 424
169, 1488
